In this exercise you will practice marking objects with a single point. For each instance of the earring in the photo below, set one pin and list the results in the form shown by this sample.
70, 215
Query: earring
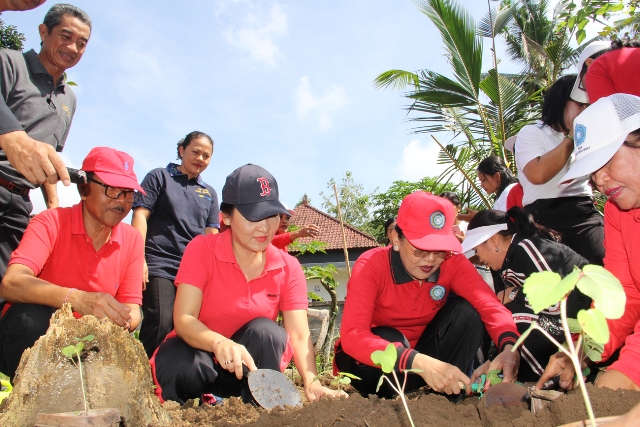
497, 249
226, 223
396, 248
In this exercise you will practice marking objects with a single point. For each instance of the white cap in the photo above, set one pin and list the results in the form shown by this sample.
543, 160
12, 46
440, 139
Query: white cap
479, 235
291, 211
599, 131
578, 94
510, 142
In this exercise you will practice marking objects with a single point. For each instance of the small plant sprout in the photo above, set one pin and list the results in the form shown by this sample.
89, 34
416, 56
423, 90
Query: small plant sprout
546, 288
73, 352
387, 360
339, 379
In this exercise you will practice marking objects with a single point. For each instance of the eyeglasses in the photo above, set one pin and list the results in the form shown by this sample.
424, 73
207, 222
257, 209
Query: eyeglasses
115, 192
419, 253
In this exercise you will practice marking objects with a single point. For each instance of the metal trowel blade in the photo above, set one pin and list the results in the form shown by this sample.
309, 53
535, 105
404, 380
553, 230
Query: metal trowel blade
272, 388
505, 394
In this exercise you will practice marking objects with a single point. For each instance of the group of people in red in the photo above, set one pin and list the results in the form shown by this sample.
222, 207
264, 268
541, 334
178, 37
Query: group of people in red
210, 300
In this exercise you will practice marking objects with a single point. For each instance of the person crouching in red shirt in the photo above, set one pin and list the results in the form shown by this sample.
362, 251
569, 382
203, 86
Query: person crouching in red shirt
231, 287
431, 304
82, 255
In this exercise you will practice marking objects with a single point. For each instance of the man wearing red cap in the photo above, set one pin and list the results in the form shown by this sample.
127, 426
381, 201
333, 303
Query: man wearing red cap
81, 255
429, 302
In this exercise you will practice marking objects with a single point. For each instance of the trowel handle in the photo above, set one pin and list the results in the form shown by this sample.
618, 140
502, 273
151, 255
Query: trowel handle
245, 370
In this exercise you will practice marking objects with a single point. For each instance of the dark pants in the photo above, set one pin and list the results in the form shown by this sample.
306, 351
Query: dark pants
14, 218
20, 328
453, 336
157, 313
184, 372
578, 222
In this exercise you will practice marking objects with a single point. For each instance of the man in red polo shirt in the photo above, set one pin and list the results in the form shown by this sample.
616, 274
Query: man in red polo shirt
81, 255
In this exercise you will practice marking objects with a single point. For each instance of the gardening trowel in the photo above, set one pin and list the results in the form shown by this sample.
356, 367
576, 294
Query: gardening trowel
272, 388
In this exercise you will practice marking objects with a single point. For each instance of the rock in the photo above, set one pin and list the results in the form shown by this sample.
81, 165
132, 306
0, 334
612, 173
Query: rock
116, 374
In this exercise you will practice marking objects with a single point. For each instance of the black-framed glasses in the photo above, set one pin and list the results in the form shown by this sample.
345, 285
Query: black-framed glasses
419, 253
115, 192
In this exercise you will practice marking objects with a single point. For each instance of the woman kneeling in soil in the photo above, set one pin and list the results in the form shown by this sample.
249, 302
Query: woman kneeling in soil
231, 287
419, 296
514, 246
607, 146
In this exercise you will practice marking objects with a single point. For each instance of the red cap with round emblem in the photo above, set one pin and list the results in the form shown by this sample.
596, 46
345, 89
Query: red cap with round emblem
427, 220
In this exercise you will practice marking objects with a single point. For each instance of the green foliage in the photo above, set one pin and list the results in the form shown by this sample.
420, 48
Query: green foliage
10, 37
75, 351
355, 203
385, 359
576, 15
387, 203
546, 288
494, 376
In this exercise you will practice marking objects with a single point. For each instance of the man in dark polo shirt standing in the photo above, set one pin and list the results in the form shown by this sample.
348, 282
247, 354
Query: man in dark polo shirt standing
36, 109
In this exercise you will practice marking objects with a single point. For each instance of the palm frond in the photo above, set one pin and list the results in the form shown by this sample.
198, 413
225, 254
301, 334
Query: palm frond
396, 79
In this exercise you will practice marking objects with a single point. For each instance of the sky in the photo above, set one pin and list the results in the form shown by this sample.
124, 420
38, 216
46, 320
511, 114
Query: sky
285, 85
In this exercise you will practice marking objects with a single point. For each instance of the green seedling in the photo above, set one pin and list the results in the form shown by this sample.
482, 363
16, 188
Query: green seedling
546, 288
340, 379
73, 352
387, 360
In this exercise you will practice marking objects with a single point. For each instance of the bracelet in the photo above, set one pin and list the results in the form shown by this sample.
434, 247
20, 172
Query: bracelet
67, 297
569, 136
216, 344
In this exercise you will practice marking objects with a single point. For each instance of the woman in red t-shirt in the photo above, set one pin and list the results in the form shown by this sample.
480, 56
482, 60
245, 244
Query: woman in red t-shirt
607, 147
231, 287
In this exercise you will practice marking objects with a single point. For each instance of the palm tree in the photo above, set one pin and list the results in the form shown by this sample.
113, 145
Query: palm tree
479, 110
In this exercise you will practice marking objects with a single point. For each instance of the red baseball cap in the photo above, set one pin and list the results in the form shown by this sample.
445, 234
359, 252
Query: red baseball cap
427, 220
113, 167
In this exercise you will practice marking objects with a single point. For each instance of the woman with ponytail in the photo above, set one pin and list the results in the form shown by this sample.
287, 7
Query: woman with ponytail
513, 245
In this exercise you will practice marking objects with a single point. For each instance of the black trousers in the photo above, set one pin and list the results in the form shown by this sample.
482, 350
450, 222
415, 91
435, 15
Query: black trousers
14, 218
578, 222
20, 328
453, 336
184, 372
157, 313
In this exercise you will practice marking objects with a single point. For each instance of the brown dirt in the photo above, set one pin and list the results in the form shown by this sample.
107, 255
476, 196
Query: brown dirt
426, 410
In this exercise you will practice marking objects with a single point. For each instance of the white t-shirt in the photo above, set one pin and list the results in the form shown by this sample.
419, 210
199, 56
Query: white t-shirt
534, 141
501, 202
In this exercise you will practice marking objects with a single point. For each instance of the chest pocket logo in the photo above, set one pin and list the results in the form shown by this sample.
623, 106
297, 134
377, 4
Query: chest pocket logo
203, 193
437, 292
273, 295
66, 110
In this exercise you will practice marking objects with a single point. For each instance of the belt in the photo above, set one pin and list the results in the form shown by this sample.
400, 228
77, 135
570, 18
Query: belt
15, 189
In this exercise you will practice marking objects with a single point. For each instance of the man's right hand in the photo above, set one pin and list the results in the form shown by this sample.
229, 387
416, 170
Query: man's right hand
101, 305
559, 364
37, 161
442, 377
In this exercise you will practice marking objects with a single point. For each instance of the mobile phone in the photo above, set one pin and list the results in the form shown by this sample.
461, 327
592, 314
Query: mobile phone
77, 176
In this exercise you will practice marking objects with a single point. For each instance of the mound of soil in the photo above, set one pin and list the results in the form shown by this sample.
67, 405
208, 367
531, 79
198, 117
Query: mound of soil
426, 410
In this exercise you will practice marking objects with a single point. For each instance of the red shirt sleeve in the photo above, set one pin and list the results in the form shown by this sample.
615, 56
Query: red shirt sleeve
617, 262
467, 283
281, 241
294, 294
362, 293
196, 262
38, 241
130, 289
515, 196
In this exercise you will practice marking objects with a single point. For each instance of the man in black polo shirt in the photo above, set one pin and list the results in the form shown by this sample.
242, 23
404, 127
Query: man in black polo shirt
36, 109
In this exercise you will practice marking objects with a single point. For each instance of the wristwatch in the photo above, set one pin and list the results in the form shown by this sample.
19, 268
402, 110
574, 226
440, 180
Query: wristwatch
512, 294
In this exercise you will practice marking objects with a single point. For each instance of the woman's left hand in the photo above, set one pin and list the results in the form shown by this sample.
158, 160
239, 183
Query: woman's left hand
315, 390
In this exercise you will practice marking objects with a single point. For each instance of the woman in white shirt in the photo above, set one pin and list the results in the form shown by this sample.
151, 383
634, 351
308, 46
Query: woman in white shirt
543, 154
496, 178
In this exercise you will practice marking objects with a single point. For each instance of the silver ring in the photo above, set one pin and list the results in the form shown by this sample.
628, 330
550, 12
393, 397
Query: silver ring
228, 362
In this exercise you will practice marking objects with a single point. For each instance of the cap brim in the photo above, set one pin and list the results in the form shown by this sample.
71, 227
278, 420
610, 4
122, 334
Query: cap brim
434, 242
479, 235
261, 210
579, 95
116, 180
590, 163
510, 142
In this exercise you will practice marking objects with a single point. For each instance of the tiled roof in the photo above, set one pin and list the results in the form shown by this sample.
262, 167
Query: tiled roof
330, 229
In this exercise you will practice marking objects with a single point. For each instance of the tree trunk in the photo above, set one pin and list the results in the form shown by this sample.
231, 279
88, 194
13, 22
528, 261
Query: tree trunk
333, 315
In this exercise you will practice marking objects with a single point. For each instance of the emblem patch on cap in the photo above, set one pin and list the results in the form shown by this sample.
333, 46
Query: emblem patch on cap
264, 186
437, 292
437, 220
126, 165
581, 134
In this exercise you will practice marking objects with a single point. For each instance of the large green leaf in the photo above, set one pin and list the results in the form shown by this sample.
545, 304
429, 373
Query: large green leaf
594, 324
396, 79
385, 359
546, 288
592, 349
605, 290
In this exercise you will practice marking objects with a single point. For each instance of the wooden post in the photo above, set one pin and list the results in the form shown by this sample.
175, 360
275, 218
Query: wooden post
344, 237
